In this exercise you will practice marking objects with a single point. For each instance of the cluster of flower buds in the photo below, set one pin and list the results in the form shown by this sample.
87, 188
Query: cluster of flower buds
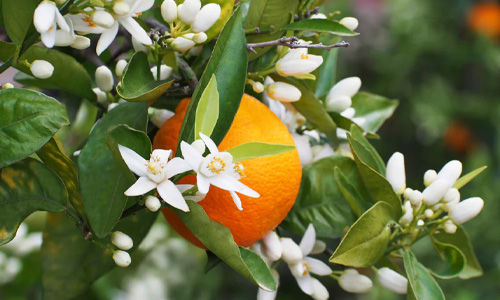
188, 22
124, 243
438, 199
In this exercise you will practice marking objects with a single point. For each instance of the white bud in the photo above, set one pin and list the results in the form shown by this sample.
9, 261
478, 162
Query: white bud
319, 290
182, 44
64, 38
188, 10
271, 246
269, 295
452, 195
152, 203
169, 11
338, 104
303, 148
44, 15
199, 145
291, 252
416, 198
8, 85
195, 51
428, 213
350, 22
120, 66
450, 172
318, 16
41, 69
345, 87
122, 258
101, 96
165, 72
466, 210
353, 282
121, 8
283, 92
160, 116
206, 18
395, 172
103, 19
435, 191
392, 280
81, 42
420, 223
104, 78
407, 193
450, 227
319, 247
298, 62
429, 177
121, 240
407, 217
257, 87
200, 37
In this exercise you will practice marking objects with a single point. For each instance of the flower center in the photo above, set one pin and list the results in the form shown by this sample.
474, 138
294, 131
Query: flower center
155, 169
216, 165
307, 268
238, 169
304, 56
87, 19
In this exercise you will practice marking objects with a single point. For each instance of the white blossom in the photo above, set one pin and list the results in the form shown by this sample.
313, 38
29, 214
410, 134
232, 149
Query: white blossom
298, 62
122, 258
200, 37
41, 69
169, 11
429, 177
188, 10
435, 191
271, 246
282, 91
152, 203
120, 66
395, 173
121, 240
466, 210
350, 22
346, 87
206, 17
353, 282
392, 280
182, 44
47, 19
450, 172
104, 78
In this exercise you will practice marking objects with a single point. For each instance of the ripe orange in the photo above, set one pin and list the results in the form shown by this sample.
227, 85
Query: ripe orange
275, 178
484, 17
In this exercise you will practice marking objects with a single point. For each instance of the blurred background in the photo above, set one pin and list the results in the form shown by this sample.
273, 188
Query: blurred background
441, 60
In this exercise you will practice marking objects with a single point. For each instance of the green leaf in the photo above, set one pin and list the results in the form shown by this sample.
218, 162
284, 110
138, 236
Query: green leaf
71, 264
18, 16
378, 163
138, 83
319, 200
321, 25
367, 239
228, 63
468, 177
25, 187
327, 70
351, 194
6, 49
207, 111
453, 257
102, 181
257, 149
29, 119
422, 284
218, 239
461, 241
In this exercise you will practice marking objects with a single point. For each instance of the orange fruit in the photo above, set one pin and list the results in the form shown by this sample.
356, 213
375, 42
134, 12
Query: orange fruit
275, 178
485, 18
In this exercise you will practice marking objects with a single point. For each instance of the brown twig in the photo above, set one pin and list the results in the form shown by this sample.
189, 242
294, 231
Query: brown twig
293, 43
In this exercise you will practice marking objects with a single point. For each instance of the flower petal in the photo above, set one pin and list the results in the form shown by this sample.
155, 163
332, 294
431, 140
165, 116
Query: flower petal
142, 5
236, 200
136, 30
210, 144
307, 242
140, 187
61, 21
163, 155
49, 37
176, 166
44, 16
203, 183
172, 195
229, 183
305, 284
81, 26
107, 37
191, 156
317, 266
134, 161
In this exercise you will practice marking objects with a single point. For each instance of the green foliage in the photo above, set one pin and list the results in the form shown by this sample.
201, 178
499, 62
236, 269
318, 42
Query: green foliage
321, 25
351, 193
138, 83
207, 111
453, 257
326, 73
422, 285
18, 16
29, 119
468, 177
25, 187
226, 11
257, 149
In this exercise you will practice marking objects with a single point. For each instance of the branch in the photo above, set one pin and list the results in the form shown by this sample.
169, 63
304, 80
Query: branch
293, 43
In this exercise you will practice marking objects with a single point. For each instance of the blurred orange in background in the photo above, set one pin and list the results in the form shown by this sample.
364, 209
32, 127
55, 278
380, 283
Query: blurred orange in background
484, 18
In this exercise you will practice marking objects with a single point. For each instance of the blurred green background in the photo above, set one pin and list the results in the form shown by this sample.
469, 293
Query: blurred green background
446, 74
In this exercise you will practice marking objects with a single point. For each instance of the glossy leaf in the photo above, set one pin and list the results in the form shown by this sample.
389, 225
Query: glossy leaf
29, 119
420, 281
138, 83
454, 260
367, 239
321, 25
102, 181
18, 16
468, 177
226, 7
218, 239
207, 111
25, 187
379, 164
351, 193
257, 149
319, 200
228, 61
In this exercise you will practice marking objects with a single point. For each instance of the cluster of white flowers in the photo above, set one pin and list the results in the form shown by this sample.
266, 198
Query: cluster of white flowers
439, 196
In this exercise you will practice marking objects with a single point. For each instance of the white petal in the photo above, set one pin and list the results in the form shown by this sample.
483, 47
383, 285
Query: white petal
142, 5
140, 187
203, 183
134, 161
176, 166
395, 173
345, 87
191, 156
305, 284
210, 144
61, 21
106, 38
319, 290
236, 200
49, 38
227, 182
317, 266
44, 16
80, 25
172, 195
291, 252
265, 295
307, 242
136, 30
162, 154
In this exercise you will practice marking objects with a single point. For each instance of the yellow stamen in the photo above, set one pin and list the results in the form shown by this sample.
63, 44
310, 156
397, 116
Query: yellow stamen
87, 19
238, 168
304, 56
217, 165
307, 268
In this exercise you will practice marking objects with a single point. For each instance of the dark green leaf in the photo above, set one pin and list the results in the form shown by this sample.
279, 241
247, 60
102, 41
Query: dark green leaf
367, 239
356, 201
218, 239
18, 16
468, 177
102, 180
321, 25
25, 187
257, 149
207, 111
29, 119
138, 83
377, 164
453, 257
6, 50
422, 284
326, 72
228, 63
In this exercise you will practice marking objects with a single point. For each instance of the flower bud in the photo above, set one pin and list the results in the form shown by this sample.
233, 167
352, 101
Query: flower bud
81, 42
319, 290
165, 72
122, 258
452, 195
199, 145
392, 280
466, 210
182, 44
283, 92
103, 19
429, 177
345, 87
353, 282
408, 215
407, 193
319, 247
120, 66
152, 203
160, 116
271, 246
428, 213
206, 18
121, 240
169, 11
350, 22
435, 191
450, 227
121, 8
44, 15
298, 62
101, 96
41, 69
450, 172
258, 87
200, 38
104, 78
188, 10
395, 172
416, 198
291, 252
318, 16
338, 104
8, 85
420, 222
303, 148
64, 38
